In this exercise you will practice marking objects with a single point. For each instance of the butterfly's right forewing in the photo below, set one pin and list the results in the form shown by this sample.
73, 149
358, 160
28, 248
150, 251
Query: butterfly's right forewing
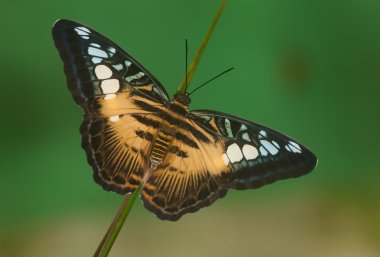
256, 155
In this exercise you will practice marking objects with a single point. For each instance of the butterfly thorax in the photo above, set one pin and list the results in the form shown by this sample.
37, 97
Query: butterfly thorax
179, 107
166, 133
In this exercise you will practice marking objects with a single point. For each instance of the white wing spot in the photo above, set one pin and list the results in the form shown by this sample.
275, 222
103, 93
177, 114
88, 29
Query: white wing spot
83, 32
118, 67
276, 144
83, 29
155, 89
112, 50
270, 147
114, 118
103, 72
96, 60
262, 134
93, 51
96, 45
295, 150
234, 153
109, 96
245, 136
243, 127
227, 124
225, 159
136, 76
263, 151
293, 147
250, 152
205, 117
110, 86
127, 63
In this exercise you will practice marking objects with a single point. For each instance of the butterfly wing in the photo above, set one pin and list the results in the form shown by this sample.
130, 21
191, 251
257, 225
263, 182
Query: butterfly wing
94, 65
115, 92
256, 155
221, 152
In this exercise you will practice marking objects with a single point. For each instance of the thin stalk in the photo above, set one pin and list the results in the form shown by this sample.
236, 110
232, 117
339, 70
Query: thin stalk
109, 238
182, 88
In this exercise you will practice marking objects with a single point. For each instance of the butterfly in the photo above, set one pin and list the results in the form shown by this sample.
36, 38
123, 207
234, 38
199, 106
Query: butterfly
135, 136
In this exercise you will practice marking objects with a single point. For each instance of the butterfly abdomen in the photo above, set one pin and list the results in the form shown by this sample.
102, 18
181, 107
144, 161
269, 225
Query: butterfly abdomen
160, 147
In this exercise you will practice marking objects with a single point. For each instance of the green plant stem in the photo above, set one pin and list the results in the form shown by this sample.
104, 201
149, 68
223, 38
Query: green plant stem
182, 88
109, 238
114, 229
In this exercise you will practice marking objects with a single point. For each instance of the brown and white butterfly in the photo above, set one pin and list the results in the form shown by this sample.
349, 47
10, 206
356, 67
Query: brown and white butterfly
135, 136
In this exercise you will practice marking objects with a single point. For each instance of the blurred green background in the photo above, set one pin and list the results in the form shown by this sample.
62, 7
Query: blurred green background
310, 69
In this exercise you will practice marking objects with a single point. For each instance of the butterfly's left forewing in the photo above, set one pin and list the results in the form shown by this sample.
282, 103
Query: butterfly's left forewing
96, 66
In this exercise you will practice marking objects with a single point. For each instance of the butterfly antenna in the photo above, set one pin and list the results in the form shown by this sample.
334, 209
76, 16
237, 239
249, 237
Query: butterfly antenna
217, 76
186, 53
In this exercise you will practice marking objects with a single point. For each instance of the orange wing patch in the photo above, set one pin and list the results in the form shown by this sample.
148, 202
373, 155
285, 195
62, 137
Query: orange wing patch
187, 180
116, 143
116, 151
123, 103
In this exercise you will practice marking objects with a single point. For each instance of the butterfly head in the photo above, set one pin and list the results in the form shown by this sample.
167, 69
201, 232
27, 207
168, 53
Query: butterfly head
182, 98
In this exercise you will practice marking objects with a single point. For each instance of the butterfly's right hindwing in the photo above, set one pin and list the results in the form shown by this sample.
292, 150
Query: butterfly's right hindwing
212, 152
